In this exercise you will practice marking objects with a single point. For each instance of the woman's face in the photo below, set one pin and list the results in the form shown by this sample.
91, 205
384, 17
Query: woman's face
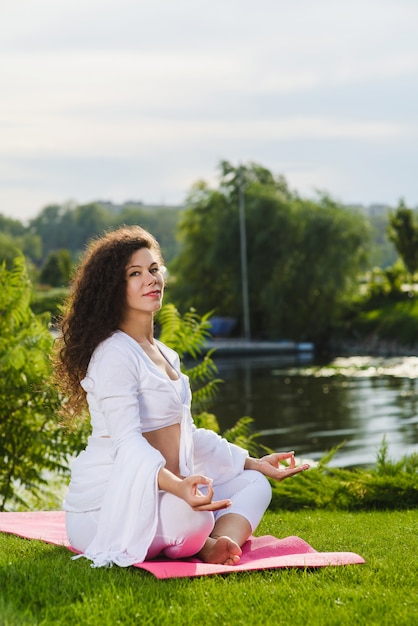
144, 282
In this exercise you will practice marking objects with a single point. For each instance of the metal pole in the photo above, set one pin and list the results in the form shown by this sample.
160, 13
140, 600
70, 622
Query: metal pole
244, 268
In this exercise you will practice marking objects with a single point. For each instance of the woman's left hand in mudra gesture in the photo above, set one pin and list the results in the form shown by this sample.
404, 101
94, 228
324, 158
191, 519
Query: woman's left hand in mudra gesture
271, 466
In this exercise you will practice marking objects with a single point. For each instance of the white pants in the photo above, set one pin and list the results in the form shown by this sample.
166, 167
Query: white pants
181, 531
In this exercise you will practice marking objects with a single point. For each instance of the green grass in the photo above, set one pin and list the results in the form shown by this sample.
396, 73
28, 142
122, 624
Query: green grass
40, 584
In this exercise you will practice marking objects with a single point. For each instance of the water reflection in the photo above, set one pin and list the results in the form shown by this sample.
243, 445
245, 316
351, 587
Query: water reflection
311, 408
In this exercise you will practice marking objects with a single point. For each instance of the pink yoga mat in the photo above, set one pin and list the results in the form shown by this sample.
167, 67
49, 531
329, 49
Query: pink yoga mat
257, 553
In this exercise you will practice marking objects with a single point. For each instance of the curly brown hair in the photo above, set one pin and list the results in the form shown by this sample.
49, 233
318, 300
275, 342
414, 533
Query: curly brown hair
94, 308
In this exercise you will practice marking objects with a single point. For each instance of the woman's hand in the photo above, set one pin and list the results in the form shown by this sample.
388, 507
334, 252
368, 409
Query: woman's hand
188, 490
270, 466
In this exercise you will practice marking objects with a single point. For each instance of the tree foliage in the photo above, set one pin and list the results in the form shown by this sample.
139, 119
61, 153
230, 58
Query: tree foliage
8, 248
70, 226
56, 271
160, 221
303, 256
12, 245
32, 443
383, 253
403, 231
10, 226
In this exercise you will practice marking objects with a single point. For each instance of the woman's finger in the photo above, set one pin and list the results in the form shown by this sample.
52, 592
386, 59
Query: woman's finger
290, 471
213, 506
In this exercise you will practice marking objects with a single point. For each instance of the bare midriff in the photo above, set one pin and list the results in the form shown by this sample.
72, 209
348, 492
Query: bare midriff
167, 441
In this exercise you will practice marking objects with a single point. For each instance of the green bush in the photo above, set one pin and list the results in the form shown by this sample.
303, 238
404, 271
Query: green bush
397, 321
48, 301
387, 486
33, 445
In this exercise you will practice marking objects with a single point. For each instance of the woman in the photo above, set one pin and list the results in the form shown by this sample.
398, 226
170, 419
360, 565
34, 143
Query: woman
149, 482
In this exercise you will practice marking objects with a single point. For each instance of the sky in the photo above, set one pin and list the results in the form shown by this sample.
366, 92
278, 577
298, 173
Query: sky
124, 100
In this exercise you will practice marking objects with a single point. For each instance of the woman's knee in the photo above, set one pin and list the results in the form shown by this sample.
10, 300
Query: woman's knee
178, 519
190, 536
198, 522
261, 487
266, 489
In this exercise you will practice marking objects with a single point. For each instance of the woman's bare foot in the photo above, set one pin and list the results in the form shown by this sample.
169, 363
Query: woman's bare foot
220, 550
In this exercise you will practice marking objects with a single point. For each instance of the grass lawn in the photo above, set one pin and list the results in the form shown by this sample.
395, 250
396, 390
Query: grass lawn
40, 584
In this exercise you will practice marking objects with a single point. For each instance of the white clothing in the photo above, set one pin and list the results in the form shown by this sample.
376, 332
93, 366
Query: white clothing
116, 476
181, 532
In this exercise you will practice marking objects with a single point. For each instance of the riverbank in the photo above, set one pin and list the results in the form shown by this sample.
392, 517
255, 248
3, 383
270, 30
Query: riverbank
383, 326
244, 347
371, 345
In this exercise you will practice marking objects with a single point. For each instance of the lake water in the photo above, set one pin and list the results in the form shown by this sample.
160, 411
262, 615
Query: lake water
310, 408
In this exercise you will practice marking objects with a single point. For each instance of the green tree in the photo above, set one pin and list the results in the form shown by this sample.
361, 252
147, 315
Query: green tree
82, 224
160, 221
56, 271
31, 246
319, 273
382, 252
69, 226
303, 255
9, 249
10, 226
48, 227
403, 231
32, 443
12, 246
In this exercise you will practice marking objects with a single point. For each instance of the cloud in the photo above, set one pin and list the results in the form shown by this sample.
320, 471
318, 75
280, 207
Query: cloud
104, 96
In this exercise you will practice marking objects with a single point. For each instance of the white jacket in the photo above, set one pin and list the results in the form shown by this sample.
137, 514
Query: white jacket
117, 473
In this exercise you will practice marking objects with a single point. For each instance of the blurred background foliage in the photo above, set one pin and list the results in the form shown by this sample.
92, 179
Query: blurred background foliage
312, 263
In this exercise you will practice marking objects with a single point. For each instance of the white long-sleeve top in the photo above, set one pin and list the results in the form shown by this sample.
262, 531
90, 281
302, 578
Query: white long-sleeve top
117, 473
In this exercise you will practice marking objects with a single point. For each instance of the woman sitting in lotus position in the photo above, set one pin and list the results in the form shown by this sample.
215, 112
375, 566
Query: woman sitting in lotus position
149, 482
